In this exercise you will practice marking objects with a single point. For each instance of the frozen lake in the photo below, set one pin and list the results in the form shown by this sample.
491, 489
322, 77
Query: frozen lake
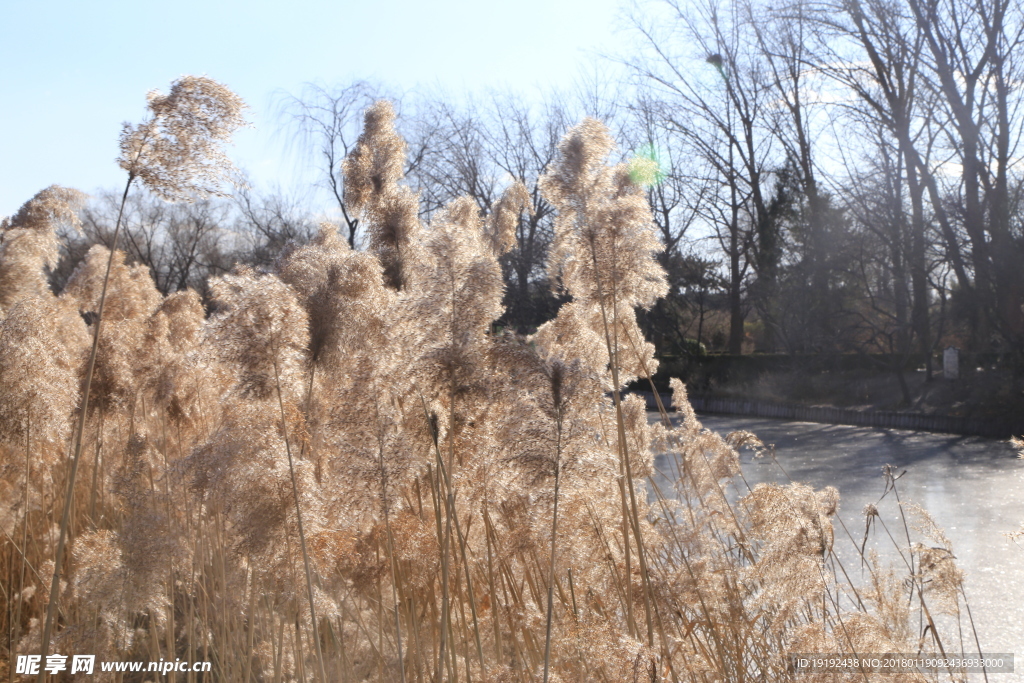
973, 487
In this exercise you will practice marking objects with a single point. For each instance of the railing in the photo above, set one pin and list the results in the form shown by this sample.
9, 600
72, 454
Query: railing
948, 424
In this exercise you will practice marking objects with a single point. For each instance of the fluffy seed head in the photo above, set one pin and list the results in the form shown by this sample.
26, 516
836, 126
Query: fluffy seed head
28, 242
131, 299
372, 172
377, 160
504, 219
40, 350
604, 239
177, 152
262, 332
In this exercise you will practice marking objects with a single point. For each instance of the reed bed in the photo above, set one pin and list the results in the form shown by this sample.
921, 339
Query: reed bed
340, 471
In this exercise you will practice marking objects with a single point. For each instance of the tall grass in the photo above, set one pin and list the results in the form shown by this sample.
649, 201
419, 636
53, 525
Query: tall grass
341, 473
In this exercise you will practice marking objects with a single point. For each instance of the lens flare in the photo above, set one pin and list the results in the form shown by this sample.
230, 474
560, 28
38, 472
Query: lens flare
647, 168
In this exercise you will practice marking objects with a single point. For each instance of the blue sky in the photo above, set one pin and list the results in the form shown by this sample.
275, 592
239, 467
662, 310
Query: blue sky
72, 72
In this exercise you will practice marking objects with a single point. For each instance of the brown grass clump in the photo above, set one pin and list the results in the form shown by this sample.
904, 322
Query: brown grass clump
343, 474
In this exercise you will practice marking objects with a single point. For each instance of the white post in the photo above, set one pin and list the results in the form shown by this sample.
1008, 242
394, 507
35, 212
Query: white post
951, 363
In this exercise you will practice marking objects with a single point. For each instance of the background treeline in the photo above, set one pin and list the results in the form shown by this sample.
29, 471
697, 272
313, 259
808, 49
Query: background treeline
831, 177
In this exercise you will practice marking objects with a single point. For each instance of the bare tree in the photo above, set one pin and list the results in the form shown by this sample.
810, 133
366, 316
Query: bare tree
882, 245
889, 95
477, 149
522, 142
181, 244
785, 35
326, 123
680, 189
716, 95
677, 193
972, 60
961, 58
458, 162
266, 225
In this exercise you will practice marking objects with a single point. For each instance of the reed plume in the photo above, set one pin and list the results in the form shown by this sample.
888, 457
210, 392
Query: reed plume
176, 152
29, 244
372, 173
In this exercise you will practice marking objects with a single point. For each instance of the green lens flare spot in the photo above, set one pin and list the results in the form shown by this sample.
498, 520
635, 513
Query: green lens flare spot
647, 168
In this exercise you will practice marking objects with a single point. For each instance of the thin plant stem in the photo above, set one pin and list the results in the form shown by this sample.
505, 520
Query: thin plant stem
554, 536
390, 540
16, 626
633, 519
79, 435
298, 519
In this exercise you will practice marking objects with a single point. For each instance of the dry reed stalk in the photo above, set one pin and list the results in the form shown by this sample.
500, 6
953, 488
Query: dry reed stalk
16, 625
554, 535
79, 435
391, 562
165, 170
465, 560
302, 535
251, 630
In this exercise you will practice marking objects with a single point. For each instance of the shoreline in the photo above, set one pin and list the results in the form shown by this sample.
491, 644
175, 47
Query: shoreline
826, 414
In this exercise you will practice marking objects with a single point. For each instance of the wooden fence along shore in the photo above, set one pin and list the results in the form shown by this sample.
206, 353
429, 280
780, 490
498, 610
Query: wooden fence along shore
947, 424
